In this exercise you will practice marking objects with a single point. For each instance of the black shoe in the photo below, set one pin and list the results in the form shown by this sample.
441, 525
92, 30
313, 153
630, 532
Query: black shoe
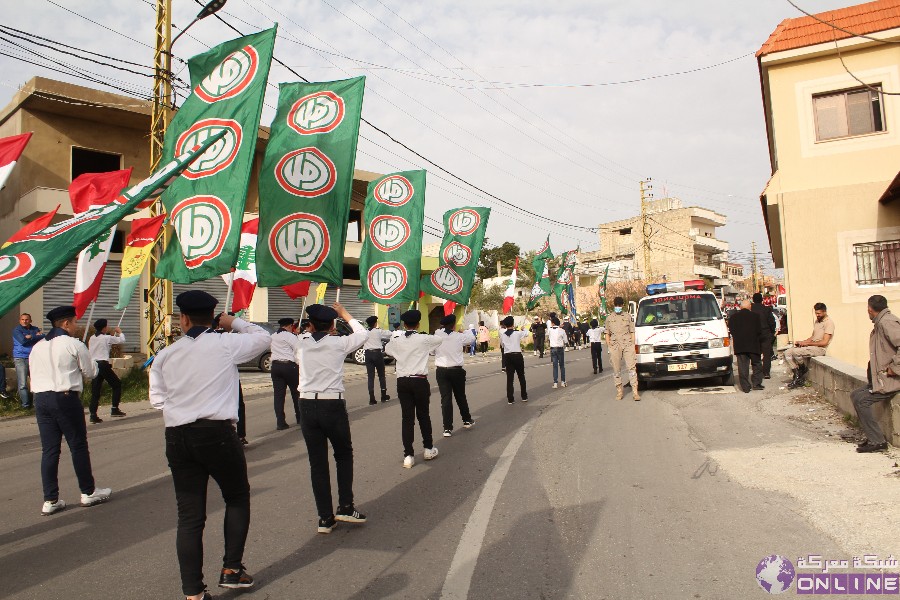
4, 395
865, 442
767, 377
873, 447
510, 401
758, 387
595, 371
235, 579
348, 514
116, 413
326, 525
524, 398
282, 427
385, 397
96, 419
372, 402
244, 441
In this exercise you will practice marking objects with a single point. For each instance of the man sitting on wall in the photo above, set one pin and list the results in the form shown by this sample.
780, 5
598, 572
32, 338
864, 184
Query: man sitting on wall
798, 357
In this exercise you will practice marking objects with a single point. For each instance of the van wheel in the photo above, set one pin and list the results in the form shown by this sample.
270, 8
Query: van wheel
728, 380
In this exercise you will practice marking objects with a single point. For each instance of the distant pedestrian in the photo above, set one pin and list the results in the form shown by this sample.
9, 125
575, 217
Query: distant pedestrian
450, 374
770, 328
883, 371
473, 346
100, 345
746, 329
539, 335
25, 336
483, 337
285, 371
511, 342
816, 344
583, 327
620, 342
374, 352
570, 333
595, 338
558, 339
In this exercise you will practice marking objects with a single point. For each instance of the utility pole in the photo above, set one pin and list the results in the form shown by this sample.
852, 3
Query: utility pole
646, 195
755, 277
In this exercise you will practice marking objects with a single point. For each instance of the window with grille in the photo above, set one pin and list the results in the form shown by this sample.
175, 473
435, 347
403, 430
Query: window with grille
877, 263
848, 113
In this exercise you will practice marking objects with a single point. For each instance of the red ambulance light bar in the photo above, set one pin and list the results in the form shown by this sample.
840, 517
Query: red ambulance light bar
675, 286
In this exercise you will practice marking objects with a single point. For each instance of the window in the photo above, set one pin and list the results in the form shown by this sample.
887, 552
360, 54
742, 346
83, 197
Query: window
848, 113
626, 231
93, 161
877, 263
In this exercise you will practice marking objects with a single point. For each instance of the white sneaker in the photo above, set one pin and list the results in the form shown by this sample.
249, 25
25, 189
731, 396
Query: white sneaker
408, 462
52, 507
99, 495
431, 453
564, 384
555, 385
448, 432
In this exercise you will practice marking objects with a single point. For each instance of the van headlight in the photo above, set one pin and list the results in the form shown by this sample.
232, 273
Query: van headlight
716, 343
645, 349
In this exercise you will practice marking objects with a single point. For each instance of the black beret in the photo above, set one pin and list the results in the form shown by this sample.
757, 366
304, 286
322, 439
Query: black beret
322, 313
370, 321
61, 312
411, 317
595, 323
757, 297
285, 321
196, 302
99, 324
508, 321
449, 320
555, 321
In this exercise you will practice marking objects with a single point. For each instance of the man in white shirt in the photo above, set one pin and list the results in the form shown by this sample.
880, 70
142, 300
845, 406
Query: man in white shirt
323, 410
511, 343
100, 344
558, 338
374, 351
450, 374
411, 349
285, 371
595, 337
58, 364
195, 383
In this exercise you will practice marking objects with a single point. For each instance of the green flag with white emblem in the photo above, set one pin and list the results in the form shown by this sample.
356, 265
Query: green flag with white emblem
464, 230
543, 283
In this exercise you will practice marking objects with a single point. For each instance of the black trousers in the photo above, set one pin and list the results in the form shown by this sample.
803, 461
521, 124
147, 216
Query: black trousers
60, 414
746, 380
515, 365
106, 373
414, 394
502, 358
483, 346
242, 415
324, 421
539, 344
768, 351
375, 364
452, 382
285, 376
196, 452
597, 356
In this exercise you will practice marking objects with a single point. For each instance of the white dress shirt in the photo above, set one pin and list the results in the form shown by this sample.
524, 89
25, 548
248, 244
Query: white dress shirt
99, 345
283, 346
513, 341
60, 365
322, 362
376, 338
411, 352
450, 352
596, 334
197, 378
558, 337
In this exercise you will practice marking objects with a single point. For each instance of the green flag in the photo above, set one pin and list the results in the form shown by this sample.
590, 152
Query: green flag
27, 264
390, 264
464, 230
206, 204
603, 310
543, 283
306, 181
564, 276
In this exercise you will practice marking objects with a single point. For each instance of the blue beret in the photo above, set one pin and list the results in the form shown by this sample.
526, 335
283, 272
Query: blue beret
99, 324
61, 312
285, 321
196, 301
411, 317
320, 312
449, 320
370, 321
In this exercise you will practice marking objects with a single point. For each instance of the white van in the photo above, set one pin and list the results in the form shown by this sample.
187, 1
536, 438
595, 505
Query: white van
680, 333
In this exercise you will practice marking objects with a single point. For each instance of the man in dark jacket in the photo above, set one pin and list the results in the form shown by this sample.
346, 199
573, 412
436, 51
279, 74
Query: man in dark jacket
746, 330
539, 332
768, 331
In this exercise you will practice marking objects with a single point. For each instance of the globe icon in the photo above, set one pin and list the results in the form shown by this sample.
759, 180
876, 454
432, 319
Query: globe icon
775, 574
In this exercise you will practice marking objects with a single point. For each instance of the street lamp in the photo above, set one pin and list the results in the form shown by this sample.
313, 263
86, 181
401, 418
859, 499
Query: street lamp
210, 9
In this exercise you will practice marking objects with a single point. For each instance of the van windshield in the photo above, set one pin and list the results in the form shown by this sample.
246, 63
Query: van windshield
684, 308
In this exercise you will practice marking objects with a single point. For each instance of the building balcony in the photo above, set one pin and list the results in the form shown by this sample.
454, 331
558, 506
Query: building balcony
709, 244
707, 217
707, 271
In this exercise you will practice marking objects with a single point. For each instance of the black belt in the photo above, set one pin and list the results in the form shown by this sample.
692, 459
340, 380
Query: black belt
287, 362
453, 367
508, 352
203, 423
414, 377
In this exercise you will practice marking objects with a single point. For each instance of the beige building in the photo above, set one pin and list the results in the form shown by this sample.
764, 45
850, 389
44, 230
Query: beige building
834, 145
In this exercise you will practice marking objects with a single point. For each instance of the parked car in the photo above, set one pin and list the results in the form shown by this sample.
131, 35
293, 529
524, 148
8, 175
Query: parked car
262, 361
358, 357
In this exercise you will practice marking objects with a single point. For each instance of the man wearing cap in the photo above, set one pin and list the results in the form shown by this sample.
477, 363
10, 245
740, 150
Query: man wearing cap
539, 333
450, 374
58, 364
595, 337
100, 344
511, 342
411, 349
195, 383
323, 410
374, 350
285, 371
558, 339
620, 342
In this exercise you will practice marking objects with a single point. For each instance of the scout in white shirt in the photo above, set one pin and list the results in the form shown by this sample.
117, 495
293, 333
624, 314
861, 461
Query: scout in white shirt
511, 342
100, 344
323, 410
285, 372
57, 364
595, 337
558, 338
195, 383
374, 351
411, 349
450, 374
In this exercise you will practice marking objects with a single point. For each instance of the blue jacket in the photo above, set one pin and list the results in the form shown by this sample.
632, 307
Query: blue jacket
21, 346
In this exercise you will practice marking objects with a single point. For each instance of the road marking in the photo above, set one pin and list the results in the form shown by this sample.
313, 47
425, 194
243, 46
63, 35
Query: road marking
462, 568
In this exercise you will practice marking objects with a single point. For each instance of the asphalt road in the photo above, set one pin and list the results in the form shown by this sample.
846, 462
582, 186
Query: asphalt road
571, 495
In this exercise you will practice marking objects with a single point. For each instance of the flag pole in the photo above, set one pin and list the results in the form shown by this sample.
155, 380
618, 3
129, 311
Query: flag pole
122, 317
88, 322
228, 293
337, 296
302, 308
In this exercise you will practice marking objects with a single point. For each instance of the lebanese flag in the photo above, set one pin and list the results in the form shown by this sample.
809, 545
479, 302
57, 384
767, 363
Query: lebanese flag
297, 290
449, 307
10, 150
97, 189
36, 225
781, 289
244, 274
510, 295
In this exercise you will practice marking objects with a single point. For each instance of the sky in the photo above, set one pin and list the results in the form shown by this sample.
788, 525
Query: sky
535, 103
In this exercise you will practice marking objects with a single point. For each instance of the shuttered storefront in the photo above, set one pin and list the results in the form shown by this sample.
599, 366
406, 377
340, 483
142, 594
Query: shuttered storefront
281, 306
215, 286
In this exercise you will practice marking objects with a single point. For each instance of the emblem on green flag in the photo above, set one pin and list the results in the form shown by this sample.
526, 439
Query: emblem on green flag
464, 230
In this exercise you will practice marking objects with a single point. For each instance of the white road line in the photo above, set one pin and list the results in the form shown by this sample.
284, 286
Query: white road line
462, 568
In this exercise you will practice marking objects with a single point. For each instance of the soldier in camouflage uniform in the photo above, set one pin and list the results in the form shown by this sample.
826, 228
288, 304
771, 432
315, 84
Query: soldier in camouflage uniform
620, 341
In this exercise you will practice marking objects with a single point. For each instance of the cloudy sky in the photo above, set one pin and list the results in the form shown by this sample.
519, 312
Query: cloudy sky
557, 108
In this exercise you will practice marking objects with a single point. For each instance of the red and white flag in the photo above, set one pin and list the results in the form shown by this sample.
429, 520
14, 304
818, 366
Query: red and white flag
244, 274
90, 190
297, 290
510, 297
449, 307
36, 225
10, 150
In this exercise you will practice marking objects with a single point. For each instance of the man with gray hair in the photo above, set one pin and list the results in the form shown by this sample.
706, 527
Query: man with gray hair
884, 372
746, 329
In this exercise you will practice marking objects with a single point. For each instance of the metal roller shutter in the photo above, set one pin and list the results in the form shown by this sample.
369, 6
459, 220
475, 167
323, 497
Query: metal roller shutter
360, 309
58, 292
281, 306
215, 286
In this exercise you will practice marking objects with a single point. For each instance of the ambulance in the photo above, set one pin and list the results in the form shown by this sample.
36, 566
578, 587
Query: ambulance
680, 333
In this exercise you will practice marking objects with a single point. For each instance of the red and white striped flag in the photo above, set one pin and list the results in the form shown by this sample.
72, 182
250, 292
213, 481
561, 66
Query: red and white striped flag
36, 225
510, 297
10, 150
244, 273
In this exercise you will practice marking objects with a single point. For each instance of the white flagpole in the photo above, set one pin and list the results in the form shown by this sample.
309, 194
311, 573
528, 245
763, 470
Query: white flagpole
87, 323
228, 293
337, 296
302, 308
122, 317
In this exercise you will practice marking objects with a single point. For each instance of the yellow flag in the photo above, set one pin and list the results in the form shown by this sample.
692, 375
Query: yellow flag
320, 292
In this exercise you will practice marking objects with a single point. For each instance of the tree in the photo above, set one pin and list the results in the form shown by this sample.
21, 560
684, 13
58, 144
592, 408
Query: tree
505, 253
486, 299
